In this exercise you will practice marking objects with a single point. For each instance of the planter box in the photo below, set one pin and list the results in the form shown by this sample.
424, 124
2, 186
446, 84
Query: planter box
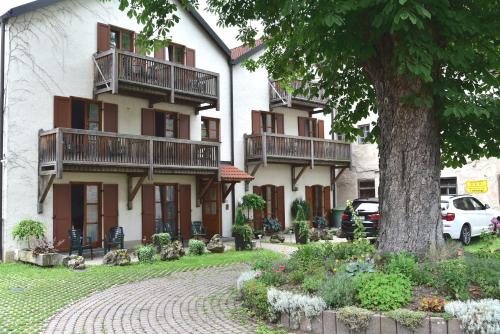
42, 260
327, 323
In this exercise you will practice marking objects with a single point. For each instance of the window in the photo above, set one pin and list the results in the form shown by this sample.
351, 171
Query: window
176, 53
340, 136
366, 188
121, 39
165, 124
268, 122
210, 129
317, 201
86, 114
366, 131
165, 208
92, 211
476, 204
448, 185
268, 195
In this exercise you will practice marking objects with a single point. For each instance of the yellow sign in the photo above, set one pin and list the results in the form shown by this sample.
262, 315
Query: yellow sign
477, 186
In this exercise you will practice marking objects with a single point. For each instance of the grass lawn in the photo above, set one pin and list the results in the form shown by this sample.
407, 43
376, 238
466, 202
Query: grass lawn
477, 243
30, 295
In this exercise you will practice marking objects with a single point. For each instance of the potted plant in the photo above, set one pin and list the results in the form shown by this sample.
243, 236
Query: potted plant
272, 225
252, 202
242, 232
39, 251
319, 222
301, 227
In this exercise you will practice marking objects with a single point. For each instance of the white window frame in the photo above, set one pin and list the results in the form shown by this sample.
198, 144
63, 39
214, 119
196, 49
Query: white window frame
366, 131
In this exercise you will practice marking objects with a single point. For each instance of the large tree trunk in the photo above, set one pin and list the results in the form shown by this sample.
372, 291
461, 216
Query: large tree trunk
409, 162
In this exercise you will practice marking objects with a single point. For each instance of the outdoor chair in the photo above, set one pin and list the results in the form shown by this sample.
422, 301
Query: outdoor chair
76, 242
198, 230
115, 238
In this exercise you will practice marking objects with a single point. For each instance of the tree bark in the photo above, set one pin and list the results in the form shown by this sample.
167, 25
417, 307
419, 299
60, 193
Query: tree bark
409, 163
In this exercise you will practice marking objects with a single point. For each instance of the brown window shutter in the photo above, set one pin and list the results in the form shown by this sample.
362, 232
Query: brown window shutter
62, 215
302, 126
280, 124
103, 37
256, 122
185, 210
148, 211
160, 54
148, 122
190, 57
280, 205
309, 199
62, 112
110, 207
326, 205
257, 214
183, 129
110, 117
320, 132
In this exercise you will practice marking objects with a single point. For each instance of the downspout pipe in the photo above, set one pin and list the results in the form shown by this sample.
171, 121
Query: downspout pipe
2, 109
231, 116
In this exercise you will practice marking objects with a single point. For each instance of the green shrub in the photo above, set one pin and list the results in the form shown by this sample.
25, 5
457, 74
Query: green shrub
358, 267
196, 247
383, 292
338, 291
484, 272
161, 240
299, 202
272, 273
296, 277
254, 295
145, 253
313, 282
27, 229
409, 319
451, 279
356, 319
404, 264
307, 257
348, 250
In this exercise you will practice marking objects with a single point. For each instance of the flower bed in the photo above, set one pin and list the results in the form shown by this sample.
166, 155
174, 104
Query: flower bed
361, 289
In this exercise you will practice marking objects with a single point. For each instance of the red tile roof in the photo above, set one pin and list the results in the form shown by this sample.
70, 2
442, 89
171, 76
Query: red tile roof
242, 49
231, 173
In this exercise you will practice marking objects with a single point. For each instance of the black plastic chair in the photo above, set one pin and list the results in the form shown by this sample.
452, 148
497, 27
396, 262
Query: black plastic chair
197, 229
76, 243
115, 238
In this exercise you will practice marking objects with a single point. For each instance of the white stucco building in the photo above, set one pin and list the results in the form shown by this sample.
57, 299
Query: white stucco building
97, 135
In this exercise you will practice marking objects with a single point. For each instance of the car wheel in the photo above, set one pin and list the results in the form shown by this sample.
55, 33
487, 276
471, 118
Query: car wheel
465, 234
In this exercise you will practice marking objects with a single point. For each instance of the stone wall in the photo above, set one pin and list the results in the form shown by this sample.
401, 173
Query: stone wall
327, 323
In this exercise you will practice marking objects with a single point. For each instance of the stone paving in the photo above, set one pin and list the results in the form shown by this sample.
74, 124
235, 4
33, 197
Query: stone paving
199, 301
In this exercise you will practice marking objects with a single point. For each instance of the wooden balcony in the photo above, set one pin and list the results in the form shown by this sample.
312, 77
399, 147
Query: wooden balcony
95, 151
127, 73
294, 150
281, 97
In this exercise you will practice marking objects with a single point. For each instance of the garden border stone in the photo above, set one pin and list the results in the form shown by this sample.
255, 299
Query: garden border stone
326, 323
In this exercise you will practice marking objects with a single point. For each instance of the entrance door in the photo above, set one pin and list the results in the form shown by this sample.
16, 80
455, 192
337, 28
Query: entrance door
211, 210
85, 211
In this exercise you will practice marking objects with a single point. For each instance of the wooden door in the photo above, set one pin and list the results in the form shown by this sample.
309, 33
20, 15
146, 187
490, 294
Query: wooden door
280, 205
185, 210
211, 209
257, 214
62, 215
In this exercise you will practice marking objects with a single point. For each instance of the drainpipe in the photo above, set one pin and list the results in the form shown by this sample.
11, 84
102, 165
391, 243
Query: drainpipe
2, 108
233, 196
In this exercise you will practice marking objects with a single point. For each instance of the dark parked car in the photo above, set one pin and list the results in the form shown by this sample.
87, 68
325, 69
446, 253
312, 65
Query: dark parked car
367, 210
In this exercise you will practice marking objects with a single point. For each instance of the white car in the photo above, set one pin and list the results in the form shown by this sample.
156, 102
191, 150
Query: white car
464, 216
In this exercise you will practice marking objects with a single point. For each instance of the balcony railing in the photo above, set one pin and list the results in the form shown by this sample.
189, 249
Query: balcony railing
279, 95
103, 151
115, 70
283, 148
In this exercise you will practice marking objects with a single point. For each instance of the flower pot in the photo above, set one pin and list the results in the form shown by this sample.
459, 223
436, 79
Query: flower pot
240, 243
42, 260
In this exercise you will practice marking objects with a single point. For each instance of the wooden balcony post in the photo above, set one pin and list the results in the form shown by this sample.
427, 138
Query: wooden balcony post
114, 83
217, 83
172, 84
264, 148
312, 153
59, 153
151, 159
